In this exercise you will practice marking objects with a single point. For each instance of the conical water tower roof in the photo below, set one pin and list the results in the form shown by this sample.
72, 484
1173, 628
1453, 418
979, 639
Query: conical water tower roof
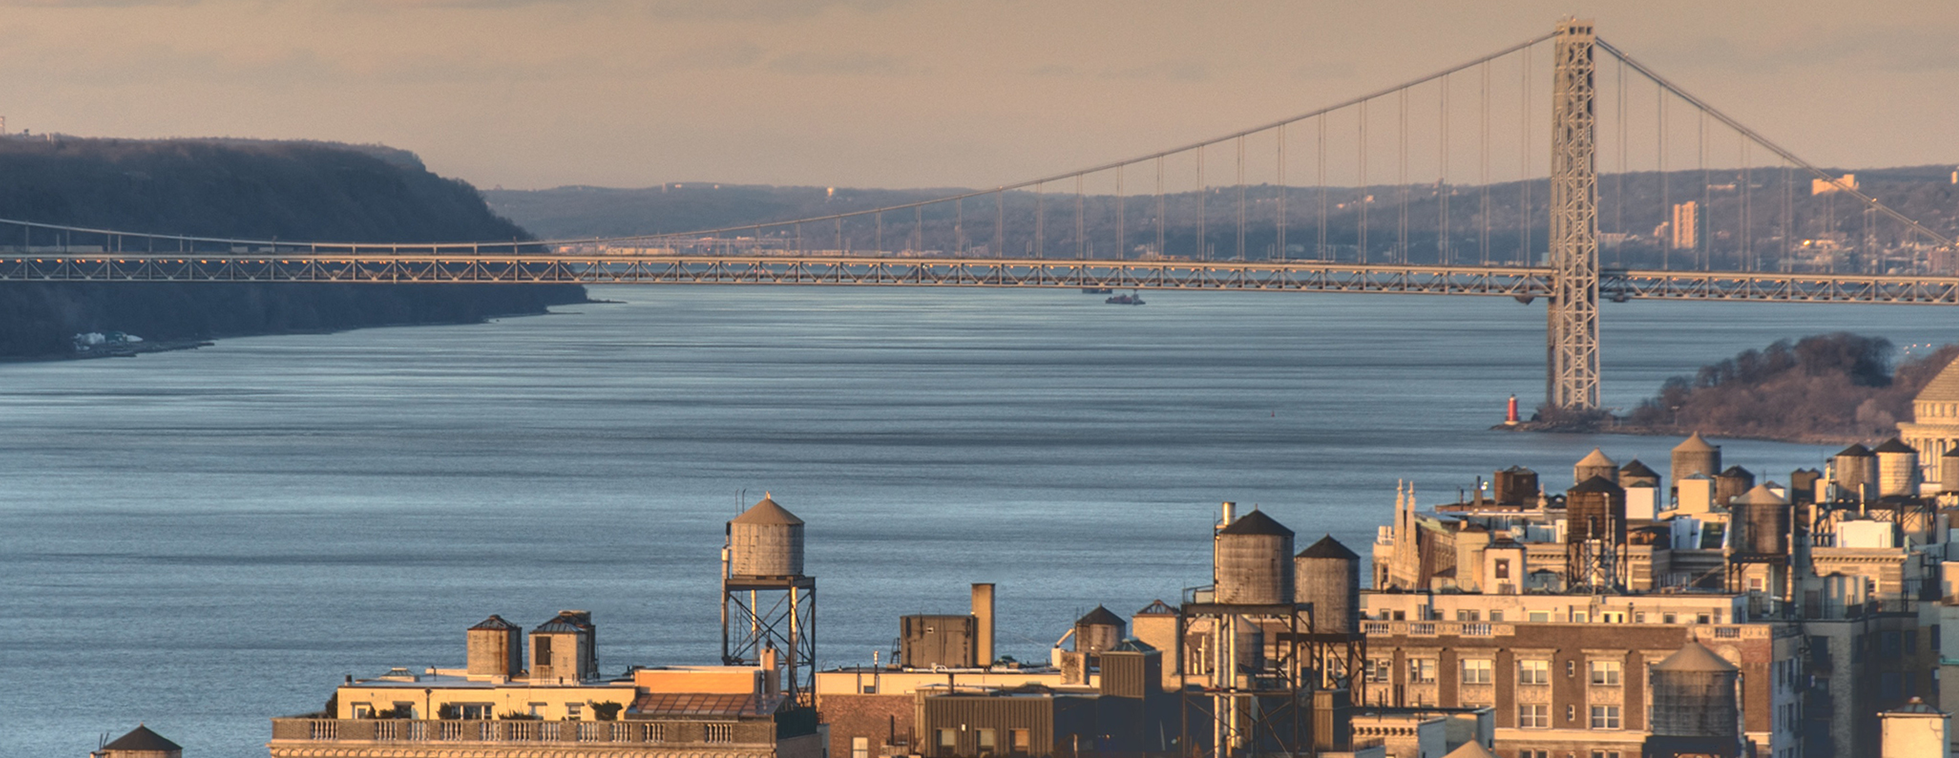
1694, 444
1854, 451
1894, 445
766, 512
1597, 484
1256, 522
1101, 616
1694, 657
1328, 547
494, 623
1597, 458
1761, 495
141, 738
1637, 469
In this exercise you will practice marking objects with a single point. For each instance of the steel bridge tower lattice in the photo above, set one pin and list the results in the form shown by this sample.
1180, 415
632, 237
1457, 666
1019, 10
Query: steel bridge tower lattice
1572, 336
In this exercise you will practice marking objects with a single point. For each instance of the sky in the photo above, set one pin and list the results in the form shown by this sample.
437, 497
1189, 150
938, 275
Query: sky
903, 93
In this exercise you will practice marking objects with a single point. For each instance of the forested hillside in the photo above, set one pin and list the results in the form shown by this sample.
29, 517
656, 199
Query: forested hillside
1825, 388
249, 189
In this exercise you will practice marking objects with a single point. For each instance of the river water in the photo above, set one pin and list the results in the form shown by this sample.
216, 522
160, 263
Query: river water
204, 540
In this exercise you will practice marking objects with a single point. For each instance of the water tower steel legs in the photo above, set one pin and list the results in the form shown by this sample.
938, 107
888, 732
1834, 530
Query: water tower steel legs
1572, 339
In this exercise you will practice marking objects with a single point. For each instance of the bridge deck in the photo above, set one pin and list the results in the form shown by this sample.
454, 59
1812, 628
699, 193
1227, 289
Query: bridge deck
1302, 276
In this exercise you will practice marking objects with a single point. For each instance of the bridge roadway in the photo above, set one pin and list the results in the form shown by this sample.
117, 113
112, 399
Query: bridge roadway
1297, 276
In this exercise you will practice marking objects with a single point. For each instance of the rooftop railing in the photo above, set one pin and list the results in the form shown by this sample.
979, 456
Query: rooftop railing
729, 733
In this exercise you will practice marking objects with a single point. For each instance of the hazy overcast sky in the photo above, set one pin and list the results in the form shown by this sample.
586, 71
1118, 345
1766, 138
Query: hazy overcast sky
539, 93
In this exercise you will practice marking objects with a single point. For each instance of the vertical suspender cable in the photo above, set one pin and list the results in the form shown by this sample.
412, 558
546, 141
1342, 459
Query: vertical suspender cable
1747, 212
1000, 224
1666, 182
959, 226
1081, 244
1241, 196
1523, 159
1360, 198
1401, 178
1483, 170
1203, 208
1703, 219
1122, 204
1443, 251
1159, 206
1319, 180
1040, 222
1279, 240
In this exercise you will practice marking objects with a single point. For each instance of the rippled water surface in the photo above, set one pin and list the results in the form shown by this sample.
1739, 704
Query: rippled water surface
204, 540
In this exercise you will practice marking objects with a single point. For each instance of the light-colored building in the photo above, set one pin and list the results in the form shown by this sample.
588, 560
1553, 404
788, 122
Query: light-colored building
1934, 428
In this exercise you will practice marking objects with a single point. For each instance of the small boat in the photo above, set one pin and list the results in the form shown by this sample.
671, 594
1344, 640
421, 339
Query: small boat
1096, 290
1133, 298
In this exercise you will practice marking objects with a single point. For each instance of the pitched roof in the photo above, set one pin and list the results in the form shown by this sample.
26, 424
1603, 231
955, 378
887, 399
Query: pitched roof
566, 621
494, 623
1894, 445
766, 512
141, 738
1854, 451
1471, 749
1695, 444
1099, 617
1597, 458
1637, 469
1133, 645
1916, 705
1518, 470
1737, 471
1596, 484
1157, 608
1694, 657
1328, 547
1256, 522
1760, 495
1943, 388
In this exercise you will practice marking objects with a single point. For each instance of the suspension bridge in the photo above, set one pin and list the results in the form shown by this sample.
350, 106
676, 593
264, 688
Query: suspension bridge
1683, 218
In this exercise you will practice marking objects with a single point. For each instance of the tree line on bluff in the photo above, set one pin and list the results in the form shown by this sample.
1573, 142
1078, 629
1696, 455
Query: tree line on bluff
240, 189
1829, 387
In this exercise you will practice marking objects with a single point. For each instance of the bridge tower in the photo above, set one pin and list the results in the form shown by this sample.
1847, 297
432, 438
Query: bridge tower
1572, 338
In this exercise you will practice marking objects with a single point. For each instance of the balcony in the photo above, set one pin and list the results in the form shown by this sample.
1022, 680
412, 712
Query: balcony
1436, 628
733, 735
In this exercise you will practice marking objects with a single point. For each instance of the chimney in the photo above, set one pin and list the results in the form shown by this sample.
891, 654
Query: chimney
983, 613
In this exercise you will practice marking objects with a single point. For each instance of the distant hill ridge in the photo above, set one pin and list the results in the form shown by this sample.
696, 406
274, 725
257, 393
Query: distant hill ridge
250, 189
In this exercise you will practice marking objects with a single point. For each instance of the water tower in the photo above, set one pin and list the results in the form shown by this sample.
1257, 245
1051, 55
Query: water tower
768, 606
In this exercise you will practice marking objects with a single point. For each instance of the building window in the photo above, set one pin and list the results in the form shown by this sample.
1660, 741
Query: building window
363, 710
1612, 617
720, 733
1533, 672
1478, 671
1421, 671
1380, 670
860, 747
1605, 754
1468, 615
1579, 617
1533, 754
1669, 618
542, 654
479, 710
1533, 716
1540, 617
573, 711
537, 709
1496, 616
986, 743
1503, 568
948, 741
1605, 717
1605, 673
1023, 742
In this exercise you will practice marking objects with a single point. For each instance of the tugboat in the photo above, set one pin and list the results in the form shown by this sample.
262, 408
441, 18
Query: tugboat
1133, 298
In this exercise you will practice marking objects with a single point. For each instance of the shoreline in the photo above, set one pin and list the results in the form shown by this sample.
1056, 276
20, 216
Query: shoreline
1652, 431
132, 350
